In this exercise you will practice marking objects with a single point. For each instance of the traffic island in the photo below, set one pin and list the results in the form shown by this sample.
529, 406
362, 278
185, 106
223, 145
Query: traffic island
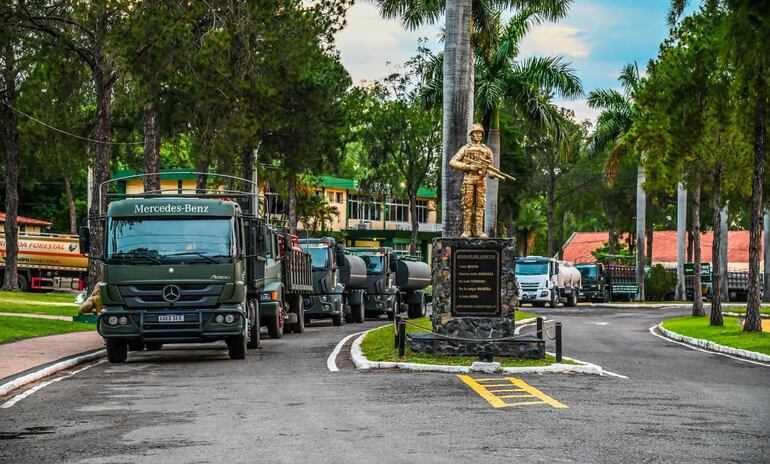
375, 350
728, 339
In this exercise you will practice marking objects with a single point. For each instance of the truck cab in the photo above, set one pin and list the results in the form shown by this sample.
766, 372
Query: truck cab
594, 283
174, 271
545, 280
326, 301
382, 296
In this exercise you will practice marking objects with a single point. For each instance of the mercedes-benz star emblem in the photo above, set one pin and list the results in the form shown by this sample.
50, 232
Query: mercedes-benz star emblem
171, 293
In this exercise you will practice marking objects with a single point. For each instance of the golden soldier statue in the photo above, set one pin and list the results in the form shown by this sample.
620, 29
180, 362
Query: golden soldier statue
475, 160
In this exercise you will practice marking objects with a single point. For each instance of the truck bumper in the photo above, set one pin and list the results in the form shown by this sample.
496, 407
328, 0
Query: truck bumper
381, 304
534, 296
171, 326
322, 306
590, 295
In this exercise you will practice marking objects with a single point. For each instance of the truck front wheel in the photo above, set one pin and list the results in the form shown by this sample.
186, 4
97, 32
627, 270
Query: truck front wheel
253, 314
117, 350
275, 324
236, 347
298, 307
554, 298
358, 312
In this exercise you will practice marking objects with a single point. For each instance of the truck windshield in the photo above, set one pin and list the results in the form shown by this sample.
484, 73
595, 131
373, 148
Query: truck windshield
587, 271
320, 257
373, 263
531, 268
171, 240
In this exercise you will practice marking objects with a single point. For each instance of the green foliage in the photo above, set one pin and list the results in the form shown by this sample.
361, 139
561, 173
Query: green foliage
658, 283
13, 328
730, 334
621, 252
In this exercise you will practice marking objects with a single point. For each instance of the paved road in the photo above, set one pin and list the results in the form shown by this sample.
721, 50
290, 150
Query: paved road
283, 405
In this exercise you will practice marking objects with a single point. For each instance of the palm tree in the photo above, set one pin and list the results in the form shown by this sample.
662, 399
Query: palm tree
464, 19
612, 127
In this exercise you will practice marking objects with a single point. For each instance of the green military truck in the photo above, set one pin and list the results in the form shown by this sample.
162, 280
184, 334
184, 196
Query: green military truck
194, 268
339, 283
392, 282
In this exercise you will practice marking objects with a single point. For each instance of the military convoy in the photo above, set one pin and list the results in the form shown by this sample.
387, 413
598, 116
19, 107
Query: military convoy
197, 268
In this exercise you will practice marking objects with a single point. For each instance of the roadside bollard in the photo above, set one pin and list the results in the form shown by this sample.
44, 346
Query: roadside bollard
395, 330
401, 338
558, 342
539, 328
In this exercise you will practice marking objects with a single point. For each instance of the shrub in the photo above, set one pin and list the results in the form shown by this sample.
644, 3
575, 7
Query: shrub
658, 283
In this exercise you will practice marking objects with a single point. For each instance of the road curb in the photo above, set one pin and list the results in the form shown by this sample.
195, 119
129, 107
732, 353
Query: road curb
729, 314
711, 346
50, 370
362, 363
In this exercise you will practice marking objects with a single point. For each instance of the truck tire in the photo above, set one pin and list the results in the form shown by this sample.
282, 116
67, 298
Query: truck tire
253, 314
117, 350
554, 299
298, 307
275, 324
606, 296
23, 283
416, 311
153, 346
358, 312
236, 347
338, 320
572, 299
348, 310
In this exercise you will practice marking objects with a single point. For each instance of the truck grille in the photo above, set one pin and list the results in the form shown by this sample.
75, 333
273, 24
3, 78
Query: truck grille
528, 286
150, 296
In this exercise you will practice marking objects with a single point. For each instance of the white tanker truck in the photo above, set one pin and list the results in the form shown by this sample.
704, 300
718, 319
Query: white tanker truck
547, 281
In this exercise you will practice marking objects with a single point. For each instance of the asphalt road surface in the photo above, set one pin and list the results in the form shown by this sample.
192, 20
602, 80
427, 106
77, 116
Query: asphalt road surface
282, 404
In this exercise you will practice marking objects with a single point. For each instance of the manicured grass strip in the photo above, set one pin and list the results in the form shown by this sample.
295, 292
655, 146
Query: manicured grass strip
57, 304
14, 328
520, 315
730, 334
742, 310
378, 346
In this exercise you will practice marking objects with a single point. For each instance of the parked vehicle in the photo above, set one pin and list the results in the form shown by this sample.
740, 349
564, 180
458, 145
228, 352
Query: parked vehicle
547, 281
738, 285
392, 282
48, 262
621, 281
193, 268
594, 286
339, 283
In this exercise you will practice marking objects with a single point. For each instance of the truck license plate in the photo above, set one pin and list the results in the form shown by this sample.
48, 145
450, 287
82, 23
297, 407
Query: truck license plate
171, 318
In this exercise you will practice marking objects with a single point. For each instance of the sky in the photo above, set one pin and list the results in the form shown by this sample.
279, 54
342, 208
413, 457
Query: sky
598, 37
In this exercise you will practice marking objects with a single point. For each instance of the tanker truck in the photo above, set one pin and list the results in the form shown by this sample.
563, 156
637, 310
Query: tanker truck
339, 282
392, 283
546, 280
48, 262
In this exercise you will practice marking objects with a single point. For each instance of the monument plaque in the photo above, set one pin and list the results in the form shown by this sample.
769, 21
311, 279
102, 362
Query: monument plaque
476, 283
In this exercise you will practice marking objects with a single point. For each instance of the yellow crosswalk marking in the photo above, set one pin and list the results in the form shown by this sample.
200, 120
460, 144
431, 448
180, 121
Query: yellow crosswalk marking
498, 401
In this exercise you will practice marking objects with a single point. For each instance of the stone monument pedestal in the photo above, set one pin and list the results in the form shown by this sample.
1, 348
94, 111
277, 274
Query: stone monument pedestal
474, 301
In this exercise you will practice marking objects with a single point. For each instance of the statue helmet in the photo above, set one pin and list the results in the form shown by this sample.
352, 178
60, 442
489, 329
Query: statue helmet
476, 127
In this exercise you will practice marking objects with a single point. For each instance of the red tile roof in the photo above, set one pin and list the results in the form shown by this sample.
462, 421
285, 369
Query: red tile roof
27, 221
579, 248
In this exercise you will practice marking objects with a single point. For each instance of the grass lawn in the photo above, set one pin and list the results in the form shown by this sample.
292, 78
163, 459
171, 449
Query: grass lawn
58, 304
742, 310
730, 334
378, 346
14, 328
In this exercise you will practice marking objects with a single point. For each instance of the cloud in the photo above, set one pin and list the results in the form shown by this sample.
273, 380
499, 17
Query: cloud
556, 39
369, 43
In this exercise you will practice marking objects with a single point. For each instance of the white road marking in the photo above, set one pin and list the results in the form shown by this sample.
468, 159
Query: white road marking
652, 331
601, 323
32, 390
331, 360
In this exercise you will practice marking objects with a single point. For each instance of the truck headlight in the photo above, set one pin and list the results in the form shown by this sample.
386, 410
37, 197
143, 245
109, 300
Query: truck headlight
219, 319
112, 320
324, 298
230, 318
327, 307
123, 320
269, 296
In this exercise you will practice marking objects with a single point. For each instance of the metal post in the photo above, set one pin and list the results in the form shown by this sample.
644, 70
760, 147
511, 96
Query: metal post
539, 328
558, 342
401, 338
395, 330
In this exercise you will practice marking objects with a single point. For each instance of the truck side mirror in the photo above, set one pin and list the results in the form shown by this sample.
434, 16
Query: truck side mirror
84, 240
392, 261
340, 258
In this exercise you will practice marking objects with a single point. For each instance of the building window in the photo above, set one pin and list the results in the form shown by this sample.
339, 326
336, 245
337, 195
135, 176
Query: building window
397, 210
402, 249
422, 211
330, 197
364, 207
339, 197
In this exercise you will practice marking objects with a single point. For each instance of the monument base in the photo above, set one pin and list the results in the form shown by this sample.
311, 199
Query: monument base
524, 347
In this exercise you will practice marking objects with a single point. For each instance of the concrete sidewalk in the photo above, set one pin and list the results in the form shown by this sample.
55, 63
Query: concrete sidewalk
18, 357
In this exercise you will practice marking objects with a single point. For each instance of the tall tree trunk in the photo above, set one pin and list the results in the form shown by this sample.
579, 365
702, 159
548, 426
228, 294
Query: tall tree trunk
247, 166
641, 227
103, 85
697, 294
457, 96
767, 255
292, 181
716, 265
549, 215
561, 214
11, 135
649, 229
202, 181
724, 292
690, 238
415, 224
493, 140
73, 214
151, 146
753, 322
681, 228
